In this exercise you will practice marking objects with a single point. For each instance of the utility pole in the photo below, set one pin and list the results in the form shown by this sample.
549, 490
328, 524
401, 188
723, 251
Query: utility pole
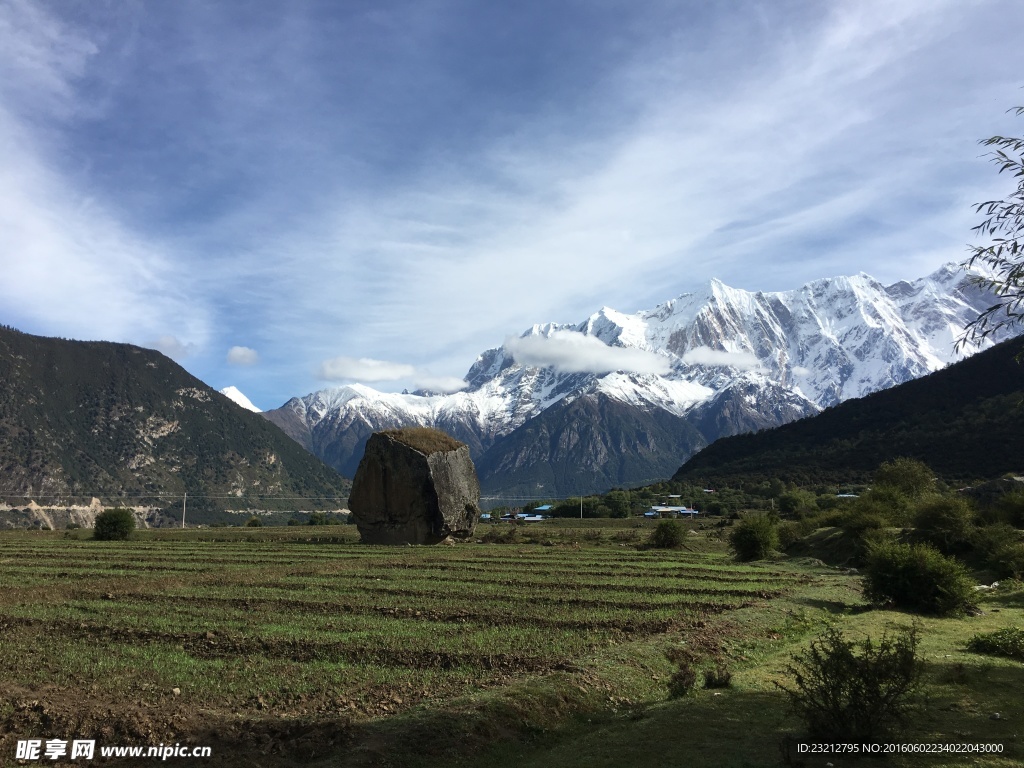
183, 509
581, 507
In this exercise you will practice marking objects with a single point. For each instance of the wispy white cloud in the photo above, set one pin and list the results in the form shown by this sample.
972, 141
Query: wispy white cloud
71, 266
363, 369
242, 356
40, 58
173, 347
720, 357
443, 384
574, 352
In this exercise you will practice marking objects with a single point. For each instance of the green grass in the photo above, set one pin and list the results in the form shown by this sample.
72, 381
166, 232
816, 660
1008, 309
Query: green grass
479, 654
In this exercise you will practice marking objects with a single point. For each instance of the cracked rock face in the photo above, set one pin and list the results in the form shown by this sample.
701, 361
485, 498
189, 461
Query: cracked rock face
415, 486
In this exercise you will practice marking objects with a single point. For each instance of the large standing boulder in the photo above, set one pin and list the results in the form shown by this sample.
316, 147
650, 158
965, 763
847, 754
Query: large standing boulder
414, 486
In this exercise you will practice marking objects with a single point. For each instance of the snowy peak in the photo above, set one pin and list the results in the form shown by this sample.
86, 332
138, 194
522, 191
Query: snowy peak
737, 361
233, 394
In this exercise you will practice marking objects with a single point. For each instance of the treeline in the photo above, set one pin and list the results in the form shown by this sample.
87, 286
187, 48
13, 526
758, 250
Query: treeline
966, 422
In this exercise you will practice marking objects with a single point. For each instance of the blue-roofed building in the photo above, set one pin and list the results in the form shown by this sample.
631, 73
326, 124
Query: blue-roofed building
665, 511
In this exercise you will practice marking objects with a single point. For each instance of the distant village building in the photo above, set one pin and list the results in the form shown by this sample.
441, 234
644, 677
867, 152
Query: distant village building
667, 511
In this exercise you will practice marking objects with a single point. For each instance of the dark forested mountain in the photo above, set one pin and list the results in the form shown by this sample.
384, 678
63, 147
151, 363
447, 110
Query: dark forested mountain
966, 422
82, 419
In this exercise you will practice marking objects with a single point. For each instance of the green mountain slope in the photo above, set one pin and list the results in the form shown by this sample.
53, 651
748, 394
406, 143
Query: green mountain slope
966, 422
82, 419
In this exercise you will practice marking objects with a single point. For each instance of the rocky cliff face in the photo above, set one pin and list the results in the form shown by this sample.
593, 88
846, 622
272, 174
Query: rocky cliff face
414, 486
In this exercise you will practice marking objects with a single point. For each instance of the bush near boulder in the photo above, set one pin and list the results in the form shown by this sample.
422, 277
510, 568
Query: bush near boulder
918, 577
114, 525
754, 538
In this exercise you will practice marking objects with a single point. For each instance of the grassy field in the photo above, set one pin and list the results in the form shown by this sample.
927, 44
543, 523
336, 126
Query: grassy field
286, 646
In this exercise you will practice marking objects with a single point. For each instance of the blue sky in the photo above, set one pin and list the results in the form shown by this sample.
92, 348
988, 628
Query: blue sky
272, 192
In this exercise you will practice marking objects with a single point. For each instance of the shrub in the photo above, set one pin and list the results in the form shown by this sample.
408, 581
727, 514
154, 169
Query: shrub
254, 522
789, 532
797, 502
848, 691
715, 508
719, 677
683, 681
918, 577
1007, 642
910, 477
1007, 560
858, 522
988, 538
1010, 508
946, 522
114, 525
754, 538
885, 502
668, 535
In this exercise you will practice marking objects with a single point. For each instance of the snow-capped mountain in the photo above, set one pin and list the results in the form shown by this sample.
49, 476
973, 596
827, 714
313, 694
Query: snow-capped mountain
732, 360
235, 395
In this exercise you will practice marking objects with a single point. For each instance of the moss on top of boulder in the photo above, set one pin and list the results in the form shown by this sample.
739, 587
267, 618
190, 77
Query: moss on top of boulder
426, 440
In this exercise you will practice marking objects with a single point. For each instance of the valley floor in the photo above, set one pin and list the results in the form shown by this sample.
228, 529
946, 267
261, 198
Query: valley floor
550, 646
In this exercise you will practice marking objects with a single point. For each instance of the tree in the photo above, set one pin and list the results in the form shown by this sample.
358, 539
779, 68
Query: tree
668, 535
910, 477
618, 502
945, 522
1003, 255
754, 538
797, 502
114, 525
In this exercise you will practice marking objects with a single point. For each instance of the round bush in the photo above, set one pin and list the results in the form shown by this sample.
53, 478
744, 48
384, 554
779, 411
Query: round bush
754, 538
946, 522
910, 477
918, 577
668, 535
254, 522
114, 525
